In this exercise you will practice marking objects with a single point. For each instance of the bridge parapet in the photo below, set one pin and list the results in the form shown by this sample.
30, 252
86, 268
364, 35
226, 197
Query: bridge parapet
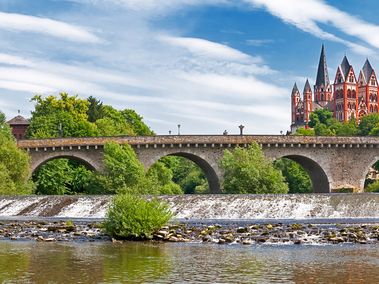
224, 140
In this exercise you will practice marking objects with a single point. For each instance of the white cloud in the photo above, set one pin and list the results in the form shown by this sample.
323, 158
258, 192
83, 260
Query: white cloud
13, 60
307, 15
206, 48
156, 6
26, 23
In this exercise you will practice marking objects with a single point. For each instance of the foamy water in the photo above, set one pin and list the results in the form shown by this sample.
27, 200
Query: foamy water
202, 207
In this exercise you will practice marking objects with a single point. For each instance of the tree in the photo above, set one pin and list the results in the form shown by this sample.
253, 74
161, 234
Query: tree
95, 109
369, 125
247, 171
305, 132
296, 177
62, 176
14, 163
66, 117
136, 122
187, 174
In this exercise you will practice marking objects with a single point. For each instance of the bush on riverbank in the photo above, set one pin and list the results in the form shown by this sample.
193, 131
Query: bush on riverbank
248, 171
132, 217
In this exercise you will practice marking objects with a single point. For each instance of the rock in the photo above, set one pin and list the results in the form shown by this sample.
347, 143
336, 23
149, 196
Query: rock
247, 242
207, 238
173, 239
116, 241
269, 226
297, 242
221, 241
242, 230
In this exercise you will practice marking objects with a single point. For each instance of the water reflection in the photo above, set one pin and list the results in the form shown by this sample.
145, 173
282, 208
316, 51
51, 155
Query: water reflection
25, 262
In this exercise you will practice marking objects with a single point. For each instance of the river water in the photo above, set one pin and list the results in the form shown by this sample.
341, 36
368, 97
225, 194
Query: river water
102, 262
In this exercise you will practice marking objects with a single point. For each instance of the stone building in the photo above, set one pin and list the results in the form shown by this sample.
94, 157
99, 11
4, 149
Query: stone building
19, 126
347, 97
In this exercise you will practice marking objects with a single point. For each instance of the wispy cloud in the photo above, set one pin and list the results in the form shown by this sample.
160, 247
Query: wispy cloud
62, 30
259, 42
307, 15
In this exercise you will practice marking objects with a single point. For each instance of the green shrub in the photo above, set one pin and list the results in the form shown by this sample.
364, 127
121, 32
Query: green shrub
248, 171
132, 217
373, 187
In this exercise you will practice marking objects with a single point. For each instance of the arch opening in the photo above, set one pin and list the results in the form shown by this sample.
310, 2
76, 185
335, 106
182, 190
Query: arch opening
311, 175
192, 173
371, 178
63, 175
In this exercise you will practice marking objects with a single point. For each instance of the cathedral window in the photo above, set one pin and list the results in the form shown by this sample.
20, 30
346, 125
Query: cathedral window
353, 94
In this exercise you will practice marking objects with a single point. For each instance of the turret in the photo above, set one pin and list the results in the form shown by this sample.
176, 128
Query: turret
367, 90
345, 92
307, 99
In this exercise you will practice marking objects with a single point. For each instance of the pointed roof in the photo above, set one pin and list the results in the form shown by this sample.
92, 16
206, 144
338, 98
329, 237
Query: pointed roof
345, 66
307, 87
18, 120
367, 70
322, 71
295, 89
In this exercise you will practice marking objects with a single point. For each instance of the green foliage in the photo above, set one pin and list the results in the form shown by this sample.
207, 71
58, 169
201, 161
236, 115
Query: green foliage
66, 117
162, 177
187, 175
70, 116
305, 132
122, 165
136, 122
132, 217
14, 164
369, 125
322, 123
373, 187
62, 176
247, 171
95, 109
124, 173
297, 178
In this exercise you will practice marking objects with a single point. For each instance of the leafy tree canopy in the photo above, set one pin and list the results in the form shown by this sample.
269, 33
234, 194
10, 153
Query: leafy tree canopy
14, 163
248, 171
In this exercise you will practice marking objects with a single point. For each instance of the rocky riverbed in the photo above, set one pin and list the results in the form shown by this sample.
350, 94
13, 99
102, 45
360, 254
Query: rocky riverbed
68, 231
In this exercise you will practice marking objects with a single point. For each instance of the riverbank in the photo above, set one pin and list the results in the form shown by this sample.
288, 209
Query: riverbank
228, 233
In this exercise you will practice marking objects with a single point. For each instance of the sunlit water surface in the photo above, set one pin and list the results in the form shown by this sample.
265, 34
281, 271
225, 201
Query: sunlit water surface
30, 262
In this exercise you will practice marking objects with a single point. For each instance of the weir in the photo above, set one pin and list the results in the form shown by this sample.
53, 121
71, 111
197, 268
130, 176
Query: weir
204, 207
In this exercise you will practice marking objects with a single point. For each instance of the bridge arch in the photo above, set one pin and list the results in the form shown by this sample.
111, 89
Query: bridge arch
209, 168
81, 158
319, 179
366, 170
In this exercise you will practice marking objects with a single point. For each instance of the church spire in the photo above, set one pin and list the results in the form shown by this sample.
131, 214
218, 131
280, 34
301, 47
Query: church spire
322, 78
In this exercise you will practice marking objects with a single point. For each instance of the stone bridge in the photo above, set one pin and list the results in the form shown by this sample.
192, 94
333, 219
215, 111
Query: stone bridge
332, 162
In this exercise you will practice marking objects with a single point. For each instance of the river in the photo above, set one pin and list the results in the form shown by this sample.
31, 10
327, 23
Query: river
131, 262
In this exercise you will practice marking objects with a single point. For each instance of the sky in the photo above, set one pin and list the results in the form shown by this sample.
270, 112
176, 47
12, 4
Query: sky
208, 65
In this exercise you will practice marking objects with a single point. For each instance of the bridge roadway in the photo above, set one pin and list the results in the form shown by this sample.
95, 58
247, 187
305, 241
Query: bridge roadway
332, 162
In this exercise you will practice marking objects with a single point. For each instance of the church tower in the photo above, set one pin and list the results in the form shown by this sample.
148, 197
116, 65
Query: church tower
297, 109
307, 99
367, 91
322, 88
345, 92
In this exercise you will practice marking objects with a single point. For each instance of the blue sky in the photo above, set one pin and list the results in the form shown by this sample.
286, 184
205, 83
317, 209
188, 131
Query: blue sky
208, 65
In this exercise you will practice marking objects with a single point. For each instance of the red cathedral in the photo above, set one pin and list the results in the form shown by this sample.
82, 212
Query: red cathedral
347, 97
